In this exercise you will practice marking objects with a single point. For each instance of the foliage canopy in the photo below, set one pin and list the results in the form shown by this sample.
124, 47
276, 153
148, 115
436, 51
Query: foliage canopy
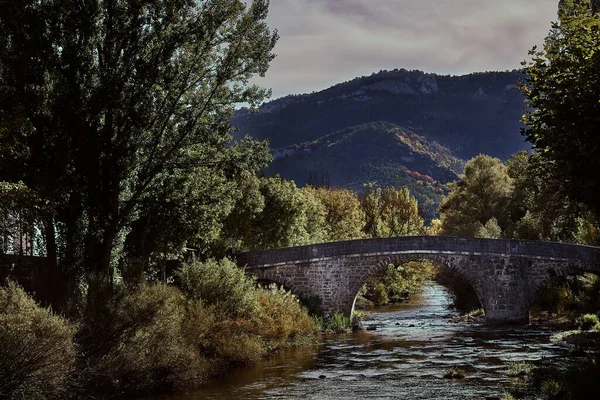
109, 104
562, 90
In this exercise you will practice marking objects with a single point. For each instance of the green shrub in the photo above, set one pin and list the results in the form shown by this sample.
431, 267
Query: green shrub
356, 320
339, 323
476, 313
155, 339
336, 323
37, 355
551, 388
220, 283
519, 368
587, 321
570, 295
142, 346
397, 282
378, 294
282, 319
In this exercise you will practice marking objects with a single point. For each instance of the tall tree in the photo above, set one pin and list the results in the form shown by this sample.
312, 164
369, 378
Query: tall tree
400, 215
482, 195
344, 219
272, 212
118, 96
594, 5
390, 212
372, 206
539, 208
562, 90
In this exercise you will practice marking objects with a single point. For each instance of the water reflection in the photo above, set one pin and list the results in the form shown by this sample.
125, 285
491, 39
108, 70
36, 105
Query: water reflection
404, 357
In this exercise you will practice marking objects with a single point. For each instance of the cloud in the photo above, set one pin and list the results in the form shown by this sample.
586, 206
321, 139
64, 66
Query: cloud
328, 41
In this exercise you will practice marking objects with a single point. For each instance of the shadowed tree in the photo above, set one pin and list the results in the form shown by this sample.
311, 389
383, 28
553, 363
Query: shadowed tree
594, 5
562, 91
481, 196
271, 213
120, 97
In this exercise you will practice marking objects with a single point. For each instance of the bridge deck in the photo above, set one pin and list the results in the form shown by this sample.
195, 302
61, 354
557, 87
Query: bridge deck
422, 245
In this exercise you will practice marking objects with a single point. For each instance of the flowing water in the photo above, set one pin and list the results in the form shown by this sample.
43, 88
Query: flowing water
405, 357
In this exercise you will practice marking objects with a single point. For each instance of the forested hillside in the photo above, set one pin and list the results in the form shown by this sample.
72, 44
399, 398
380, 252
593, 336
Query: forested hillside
394, 128
471, 114
379, 152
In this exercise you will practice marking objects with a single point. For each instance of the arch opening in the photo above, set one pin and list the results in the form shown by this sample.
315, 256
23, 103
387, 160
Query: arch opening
566, 292
418, 270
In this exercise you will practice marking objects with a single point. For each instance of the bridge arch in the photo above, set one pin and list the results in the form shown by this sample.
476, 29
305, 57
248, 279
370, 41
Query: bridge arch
557, 270
440, 259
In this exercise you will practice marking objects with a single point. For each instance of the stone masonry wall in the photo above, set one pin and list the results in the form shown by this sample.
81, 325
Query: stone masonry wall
504, 274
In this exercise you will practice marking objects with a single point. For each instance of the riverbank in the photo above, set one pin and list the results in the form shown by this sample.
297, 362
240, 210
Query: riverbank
146, 339
574, 376
406, 356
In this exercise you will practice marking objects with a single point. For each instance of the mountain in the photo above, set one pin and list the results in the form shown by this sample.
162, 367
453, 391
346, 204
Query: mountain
471, 114
400, 128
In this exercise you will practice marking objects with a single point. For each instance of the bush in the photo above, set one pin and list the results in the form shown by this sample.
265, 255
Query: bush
336, 323
571, 295
397, 282
356, 320
155, 338
283, 320
551, 388
219, 283
519, 368
142, 345
377, 293
476, 313
37, 355
587, 321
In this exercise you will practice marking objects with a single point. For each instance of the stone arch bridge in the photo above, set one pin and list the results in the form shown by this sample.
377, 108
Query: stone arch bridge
505, 274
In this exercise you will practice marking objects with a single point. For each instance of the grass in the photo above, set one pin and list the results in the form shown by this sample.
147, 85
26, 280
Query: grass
476, 313
520, 368
336, 323
588, 322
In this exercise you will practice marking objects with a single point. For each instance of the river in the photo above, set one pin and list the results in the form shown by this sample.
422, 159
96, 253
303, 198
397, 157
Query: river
405, 357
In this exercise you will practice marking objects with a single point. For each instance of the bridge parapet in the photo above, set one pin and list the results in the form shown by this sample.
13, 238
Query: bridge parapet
420, 244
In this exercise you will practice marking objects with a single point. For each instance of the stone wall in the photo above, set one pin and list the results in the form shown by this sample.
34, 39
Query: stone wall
505, 274
421, 244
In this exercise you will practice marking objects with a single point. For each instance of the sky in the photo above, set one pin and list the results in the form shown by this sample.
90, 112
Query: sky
324, 42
